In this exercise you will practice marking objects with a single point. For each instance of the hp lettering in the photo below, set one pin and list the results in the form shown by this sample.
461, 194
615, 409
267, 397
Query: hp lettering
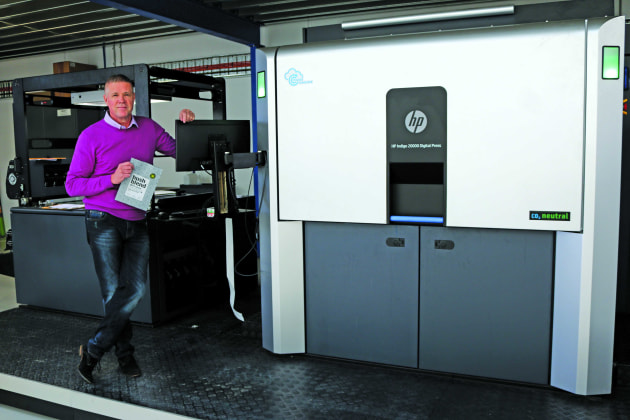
416, 121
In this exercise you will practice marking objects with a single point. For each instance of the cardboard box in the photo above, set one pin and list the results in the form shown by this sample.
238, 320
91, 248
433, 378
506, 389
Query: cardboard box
70, 66
63, 67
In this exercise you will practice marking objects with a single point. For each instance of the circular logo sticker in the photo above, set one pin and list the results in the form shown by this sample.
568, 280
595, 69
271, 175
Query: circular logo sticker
416, 121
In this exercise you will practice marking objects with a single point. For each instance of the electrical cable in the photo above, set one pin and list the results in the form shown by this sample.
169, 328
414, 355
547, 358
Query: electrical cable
241, 260
232, 188
209, 172
254, 242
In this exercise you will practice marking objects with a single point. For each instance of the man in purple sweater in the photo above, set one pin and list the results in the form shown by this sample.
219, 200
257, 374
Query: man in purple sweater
117, 233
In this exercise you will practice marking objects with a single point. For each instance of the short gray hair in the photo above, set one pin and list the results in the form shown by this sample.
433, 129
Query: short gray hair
114, 78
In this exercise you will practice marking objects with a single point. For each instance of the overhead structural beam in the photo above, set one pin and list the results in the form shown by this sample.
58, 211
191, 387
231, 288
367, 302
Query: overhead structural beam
192, 15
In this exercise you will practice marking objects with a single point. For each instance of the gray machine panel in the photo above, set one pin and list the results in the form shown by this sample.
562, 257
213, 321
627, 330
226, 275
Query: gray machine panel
362, 292
44, 122
485, 302
54, 266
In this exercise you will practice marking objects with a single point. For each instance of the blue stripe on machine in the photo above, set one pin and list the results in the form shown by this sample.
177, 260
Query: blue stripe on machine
416, 219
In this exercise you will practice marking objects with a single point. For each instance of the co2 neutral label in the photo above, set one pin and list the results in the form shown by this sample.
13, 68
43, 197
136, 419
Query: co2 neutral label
557, 216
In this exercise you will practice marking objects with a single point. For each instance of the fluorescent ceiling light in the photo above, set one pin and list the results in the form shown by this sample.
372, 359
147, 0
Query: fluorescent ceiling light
90, 98
95, 98
431, 17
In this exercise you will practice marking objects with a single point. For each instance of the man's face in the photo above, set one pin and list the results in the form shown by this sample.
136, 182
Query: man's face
119, 98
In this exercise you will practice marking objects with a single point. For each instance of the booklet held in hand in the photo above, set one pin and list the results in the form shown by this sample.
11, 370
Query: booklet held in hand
137, 190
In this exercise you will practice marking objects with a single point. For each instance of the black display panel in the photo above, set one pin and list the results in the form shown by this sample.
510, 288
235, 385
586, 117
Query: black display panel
194, 139
416, 154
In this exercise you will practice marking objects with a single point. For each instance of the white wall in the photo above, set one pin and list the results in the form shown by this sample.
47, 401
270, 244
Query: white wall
7, 151
158, 50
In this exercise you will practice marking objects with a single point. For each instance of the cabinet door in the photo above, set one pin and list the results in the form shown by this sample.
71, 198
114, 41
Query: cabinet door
362, 292
54, 266
485, 302
53, 263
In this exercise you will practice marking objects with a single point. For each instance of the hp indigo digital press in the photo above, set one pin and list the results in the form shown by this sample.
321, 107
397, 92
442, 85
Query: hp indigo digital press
446, 201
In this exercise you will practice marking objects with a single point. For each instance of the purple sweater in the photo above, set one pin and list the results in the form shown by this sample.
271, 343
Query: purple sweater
100, 148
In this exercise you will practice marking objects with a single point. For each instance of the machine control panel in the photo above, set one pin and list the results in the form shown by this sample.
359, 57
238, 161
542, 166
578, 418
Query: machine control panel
416, 154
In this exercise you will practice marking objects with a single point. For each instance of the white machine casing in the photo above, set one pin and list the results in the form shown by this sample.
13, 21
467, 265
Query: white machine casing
515, 133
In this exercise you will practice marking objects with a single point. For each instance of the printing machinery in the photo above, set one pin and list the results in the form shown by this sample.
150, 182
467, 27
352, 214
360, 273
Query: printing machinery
189, 258
446, 201
50, 111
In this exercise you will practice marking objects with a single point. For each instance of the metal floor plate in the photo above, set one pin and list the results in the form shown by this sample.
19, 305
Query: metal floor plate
209, 365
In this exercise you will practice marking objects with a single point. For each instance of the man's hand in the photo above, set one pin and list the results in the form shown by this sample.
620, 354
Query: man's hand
123, 171
186, 115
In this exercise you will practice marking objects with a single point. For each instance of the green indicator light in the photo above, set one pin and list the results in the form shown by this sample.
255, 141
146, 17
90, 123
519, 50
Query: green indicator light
262, 87
610, 63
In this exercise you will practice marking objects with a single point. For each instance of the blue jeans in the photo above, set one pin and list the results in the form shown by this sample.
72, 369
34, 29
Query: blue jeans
121, 255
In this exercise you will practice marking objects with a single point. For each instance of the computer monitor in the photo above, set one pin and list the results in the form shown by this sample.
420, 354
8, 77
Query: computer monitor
193, 140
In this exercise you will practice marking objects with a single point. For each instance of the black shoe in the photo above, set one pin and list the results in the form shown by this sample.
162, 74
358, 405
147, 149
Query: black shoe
87, 364
129, 366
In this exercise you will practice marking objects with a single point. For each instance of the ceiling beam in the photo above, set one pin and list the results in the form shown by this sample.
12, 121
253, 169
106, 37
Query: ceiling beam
193, 15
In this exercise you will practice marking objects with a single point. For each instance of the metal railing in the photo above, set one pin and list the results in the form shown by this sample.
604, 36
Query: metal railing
6, 89
227, 65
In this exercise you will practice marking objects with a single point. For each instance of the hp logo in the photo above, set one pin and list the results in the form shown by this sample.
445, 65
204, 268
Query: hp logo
416, 121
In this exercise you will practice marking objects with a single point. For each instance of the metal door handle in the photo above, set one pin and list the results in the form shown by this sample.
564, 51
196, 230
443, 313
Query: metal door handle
444, 244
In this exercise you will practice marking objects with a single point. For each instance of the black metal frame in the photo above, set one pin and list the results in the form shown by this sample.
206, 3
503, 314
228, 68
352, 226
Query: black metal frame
178, 84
